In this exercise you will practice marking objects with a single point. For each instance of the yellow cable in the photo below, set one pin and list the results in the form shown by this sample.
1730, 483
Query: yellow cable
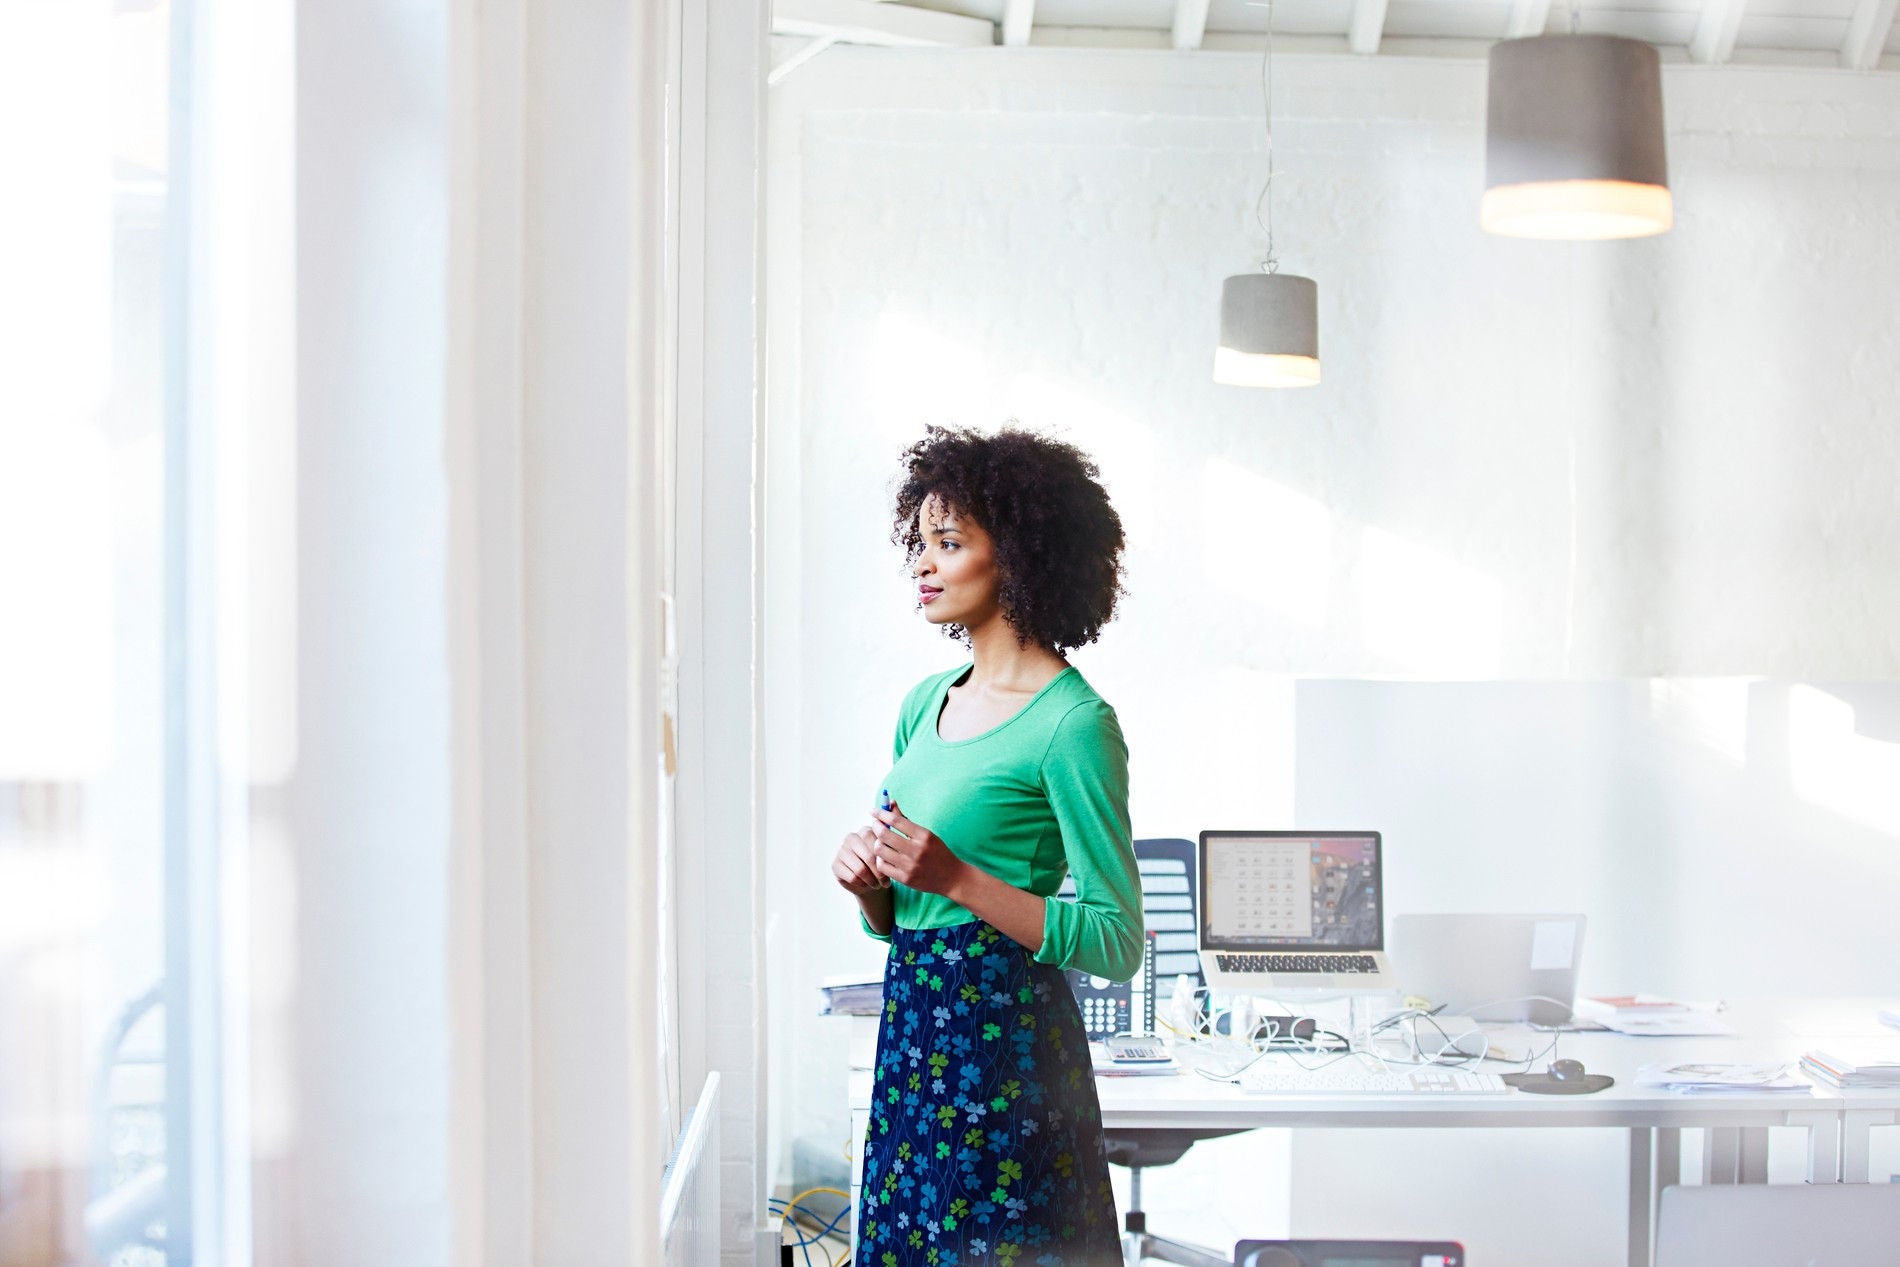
807, 1192
786, 1214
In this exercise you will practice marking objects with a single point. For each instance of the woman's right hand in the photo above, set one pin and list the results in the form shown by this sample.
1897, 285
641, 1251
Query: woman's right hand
856, 864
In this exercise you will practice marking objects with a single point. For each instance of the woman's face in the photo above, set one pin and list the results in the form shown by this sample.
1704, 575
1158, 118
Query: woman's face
958, 563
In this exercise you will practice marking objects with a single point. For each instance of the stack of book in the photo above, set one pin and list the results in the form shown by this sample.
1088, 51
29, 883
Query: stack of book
851, 996
1855, 1065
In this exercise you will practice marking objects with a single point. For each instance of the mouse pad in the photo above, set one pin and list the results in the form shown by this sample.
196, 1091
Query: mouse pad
1544, 1084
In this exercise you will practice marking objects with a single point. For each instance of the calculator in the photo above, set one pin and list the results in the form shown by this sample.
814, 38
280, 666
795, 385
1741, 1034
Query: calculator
1134, 1049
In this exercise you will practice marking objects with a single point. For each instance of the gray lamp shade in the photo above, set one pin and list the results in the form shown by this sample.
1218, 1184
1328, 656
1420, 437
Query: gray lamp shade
1574, 139
1269, 331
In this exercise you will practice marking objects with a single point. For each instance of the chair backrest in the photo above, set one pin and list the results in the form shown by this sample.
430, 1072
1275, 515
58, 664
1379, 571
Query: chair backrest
1299, 1253
1170, 905
1815, 1225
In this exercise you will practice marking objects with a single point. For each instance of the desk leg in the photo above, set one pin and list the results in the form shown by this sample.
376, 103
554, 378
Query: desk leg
1857, 1140
1666, 1141
1641, 1179
1721, 1150
1824, 1148
1668, 1162
1752, 1165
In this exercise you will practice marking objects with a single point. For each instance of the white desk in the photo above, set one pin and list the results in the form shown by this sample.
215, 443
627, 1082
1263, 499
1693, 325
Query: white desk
1838, 1123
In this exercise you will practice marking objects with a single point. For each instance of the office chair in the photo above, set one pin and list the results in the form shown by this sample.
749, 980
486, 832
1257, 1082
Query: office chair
1740, 1225
1159, 1146
1308, 1253
1168, 905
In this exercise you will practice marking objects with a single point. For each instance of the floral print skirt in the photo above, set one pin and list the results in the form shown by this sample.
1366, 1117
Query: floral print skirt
985, 1139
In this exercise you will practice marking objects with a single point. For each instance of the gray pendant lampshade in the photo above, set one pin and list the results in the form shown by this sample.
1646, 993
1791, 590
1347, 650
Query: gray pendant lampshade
1269, 331
1574, 139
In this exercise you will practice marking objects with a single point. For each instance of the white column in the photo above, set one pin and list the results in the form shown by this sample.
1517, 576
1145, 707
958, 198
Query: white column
469, 1053
592, 192
719, 884
354, 1164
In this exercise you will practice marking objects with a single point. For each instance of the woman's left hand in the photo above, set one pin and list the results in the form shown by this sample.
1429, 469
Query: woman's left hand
916, 857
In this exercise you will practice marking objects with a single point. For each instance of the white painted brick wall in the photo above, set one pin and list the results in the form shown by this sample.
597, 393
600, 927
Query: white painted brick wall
1662, 456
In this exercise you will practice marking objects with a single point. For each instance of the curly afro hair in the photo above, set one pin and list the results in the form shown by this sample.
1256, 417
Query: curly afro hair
1058, 542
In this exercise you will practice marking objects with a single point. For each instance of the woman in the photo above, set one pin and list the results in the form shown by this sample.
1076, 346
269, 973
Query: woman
985, 1140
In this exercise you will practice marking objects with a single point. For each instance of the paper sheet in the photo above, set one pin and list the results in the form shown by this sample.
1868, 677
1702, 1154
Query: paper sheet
1553, 944
1675, 1025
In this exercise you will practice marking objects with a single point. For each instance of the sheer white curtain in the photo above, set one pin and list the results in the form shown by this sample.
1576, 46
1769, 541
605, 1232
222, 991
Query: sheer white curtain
83, 586
112, 1122
144, 445
335, 515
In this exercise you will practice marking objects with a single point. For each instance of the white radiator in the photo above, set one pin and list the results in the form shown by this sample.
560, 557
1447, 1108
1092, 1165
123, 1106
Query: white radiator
689, 1188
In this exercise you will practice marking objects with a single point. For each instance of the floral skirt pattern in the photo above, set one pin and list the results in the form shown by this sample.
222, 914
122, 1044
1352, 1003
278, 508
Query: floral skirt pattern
985, 1140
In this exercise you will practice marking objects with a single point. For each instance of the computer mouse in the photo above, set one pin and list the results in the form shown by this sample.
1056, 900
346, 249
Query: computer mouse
1563, 1077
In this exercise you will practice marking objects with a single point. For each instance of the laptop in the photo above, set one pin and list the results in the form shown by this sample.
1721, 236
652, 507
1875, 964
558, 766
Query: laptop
1286, 912
1492, 967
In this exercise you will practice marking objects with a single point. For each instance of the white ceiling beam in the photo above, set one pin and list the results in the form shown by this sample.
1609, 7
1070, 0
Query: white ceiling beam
810, 49
1018, 17
891, 25
1715, 31
1867, 33
1528, 17
1368, 26
1190, 23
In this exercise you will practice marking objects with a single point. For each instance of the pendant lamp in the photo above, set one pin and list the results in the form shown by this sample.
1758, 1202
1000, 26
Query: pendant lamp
1574, 139
1269, 331
1269, 320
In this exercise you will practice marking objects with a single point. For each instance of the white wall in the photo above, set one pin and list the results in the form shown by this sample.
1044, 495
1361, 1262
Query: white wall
1559, 469
1725, 837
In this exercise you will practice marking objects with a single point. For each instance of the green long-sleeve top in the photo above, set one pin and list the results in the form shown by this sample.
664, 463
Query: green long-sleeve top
1040, 796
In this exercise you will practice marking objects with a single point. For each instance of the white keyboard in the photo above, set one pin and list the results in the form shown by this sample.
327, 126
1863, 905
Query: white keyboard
1356, 1077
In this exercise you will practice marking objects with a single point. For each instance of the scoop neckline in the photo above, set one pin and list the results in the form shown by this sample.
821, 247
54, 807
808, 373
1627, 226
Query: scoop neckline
943, 695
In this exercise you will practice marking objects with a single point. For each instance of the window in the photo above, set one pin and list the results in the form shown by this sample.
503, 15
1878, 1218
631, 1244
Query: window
105, 987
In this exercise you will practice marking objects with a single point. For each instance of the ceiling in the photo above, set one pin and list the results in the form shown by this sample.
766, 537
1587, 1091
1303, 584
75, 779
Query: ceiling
1853, 34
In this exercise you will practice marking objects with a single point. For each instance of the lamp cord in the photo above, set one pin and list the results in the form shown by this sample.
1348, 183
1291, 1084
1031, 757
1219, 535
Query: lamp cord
1272, 263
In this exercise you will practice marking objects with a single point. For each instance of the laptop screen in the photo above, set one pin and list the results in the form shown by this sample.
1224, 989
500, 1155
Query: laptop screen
1268, 890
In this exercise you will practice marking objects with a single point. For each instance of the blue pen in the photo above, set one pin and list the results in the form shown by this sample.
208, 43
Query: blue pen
884, 803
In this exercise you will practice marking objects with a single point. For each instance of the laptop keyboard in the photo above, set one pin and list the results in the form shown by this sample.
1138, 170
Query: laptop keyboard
1295, 963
